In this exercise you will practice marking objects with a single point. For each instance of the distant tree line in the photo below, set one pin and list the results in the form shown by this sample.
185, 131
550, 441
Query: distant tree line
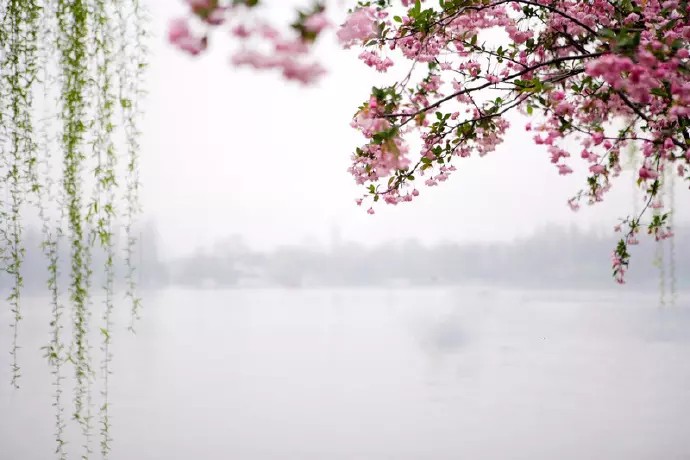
550, 258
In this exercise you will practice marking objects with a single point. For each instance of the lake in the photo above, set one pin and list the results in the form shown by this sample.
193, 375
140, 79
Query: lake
375, 374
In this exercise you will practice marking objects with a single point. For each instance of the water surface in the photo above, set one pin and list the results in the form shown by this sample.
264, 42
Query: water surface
378, 374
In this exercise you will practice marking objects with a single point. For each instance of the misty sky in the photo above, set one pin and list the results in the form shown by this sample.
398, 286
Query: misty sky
231, 151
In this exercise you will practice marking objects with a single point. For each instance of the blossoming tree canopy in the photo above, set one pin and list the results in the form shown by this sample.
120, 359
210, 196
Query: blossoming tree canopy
263, 45
595, 76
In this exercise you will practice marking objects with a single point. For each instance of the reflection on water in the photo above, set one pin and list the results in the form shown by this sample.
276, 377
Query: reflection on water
380, 374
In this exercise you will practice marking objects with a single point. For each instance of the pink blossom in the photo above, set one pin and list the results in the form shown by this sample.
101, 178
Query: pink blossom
597, 169
359, 26
647, 173
564, 169
199, 4
241, 31
180, 36
557, 95
216, 17
452, 108
304, 73
372, 59
178, 29
316, 23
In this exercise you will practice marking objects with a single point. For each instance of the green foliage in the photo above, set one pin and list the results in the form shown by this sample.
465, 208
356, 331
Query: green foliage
131, 68
72, 19
69, 66
102, 207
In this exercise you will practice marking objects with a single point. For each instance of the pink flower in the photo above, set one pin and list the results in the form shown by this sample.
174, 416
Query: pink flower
597, 169
177, 30
647, 173
359, 26
619, 268
197, 5
564, 170
372, 59
216, 17
631, 18
241, 31
304, 73
370, 211
269, 32
557, 95
316, 23
180, 36
290, 47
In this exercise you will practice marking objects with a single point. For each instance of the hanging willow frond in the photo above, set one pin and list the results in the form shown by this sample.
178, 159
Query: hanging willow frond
72, 20
43, 185
19, 39
67, 67
102, 207
133, 53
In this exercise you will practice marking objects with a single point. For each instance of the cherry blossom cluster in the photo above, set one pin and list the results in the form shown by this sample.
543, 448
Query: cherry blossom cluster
601, 75
595, 77
262, 45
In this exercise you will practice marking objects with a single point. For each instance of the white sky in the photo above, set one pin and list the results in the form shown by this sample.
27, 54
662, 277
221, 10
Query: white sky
230, 151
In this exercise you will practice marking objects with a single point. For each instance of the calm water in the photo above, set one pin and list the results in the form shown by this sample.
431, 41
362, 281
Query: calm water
379, 374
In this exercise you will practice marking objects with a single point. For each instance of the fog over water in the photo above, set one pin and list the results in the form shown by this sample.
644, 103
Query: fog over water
432, 373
